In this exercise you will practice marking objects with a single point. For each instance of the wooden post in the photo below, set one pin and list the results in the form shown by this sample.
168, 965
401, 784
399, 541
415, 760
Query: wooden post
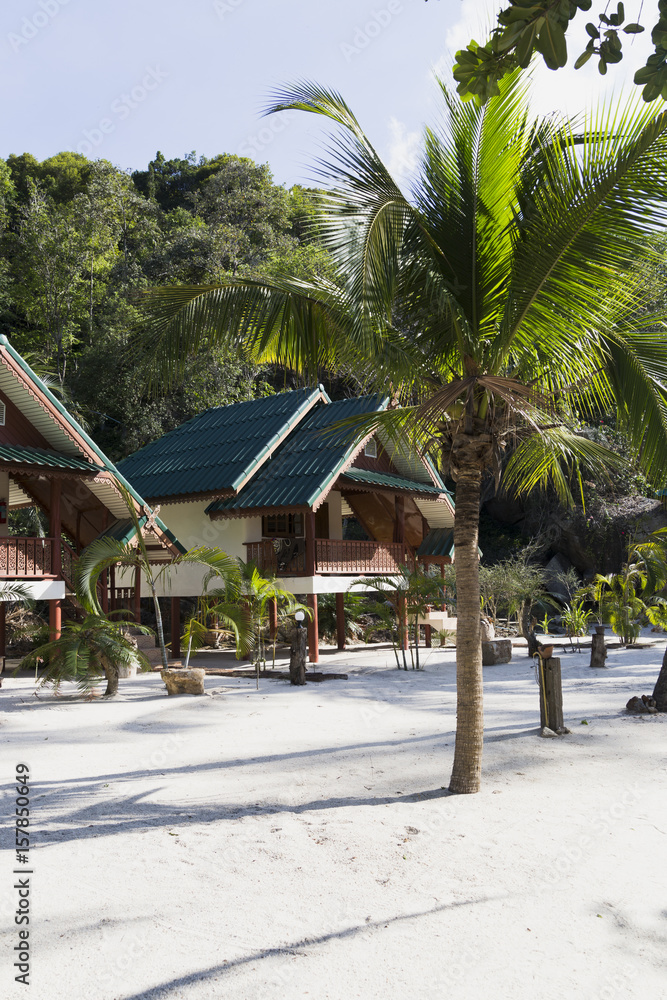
313, 637
428, 631
105, 591
112, 586
340, 620
551, 694
403, 618
310, 543
137, 596
3, 631
55, 619
297, 660
598, 648
55, 528
176, 627
273, 619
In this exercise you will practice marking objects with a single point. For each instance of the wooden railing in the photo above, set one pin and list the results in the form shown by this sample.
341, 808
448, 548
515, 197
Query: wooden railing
289, 559
30, 558
331, 556
334, 556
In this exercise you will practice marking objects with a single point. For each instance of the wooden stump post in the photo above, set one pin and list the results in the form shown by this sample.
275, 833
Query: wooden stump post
297, 660
551, 694
598, 648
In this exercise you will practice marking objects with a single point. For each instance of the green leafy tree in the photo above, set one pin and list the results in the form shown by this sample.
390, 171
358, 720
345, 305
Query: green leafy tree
541, 26
502, 300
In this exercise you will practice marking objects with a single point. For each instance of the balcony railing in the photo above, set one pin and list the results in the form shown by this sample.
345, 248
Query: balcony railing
334, 556
288, 558
27, 558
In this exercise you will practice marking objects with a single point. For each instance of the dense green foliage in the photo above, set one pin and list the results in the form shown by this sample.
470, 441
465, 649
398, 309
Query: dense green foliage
79, 238
526, 27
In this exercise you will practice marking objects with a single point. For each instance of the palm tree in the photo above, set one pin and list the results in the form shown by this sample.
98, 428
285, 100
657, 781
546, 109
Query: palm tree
506, 297
85, 651
105, 552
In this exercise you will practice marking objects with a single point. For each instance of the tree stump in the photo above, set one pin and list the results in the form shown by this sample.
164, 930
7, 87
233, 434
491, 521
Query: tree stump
551, 694
297, 660
598, 649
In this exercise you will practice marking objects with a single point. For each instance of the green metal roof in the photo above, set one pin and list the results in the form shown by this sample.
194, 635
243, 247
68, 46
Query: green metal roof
371, 478
438, 542
219, 449
306, 463
24, 455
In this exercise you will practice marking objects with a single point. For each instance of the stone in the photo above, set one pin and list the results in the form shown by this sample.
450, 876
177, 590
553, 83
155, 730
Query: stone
496, 651
127, 670
181, 681
548, 733
643, 704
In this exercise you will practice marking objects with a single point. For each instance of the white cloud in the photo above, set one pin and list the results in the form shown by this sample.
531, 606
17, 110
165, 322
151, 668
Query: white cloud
404, 147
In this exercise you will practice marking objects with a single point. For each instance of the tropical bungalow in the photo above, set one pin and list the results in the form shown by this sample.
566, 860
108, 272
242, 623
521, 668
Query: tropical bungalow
48, 460
269, 481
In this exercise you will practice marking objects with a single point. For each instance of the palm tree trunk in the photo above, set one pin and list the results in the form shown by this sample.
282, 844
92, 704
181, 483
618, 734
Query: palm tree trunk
467, 770
111, 673
158, 625
660, 689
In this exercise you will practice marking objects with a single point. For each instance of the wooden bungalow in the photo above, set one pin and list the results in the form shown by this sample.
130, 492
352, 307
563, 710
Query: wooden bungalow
48, 460
269, 481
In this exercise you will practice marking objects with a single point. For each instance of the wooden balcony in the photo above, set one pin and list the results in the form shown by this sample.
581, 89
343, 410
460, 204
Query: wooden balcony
330, 556
28, 558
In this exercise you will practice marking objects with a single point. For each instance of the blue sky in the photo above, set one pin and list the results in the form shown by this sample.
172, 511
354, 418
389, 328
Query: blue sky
120, 79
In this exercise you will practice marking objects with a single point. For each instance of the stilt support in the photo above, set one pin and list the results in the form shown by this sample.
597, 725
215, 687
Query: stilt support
313, 637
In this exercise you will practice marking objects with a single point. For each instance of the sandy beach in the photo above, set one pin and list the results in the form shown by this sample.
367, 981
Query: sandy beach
300, 842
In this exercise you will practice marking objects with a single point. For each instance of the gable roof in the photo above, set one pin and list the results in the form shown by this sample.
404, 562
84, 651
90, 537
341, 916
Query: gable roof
218, 451
389, 481
73, 448
308, 462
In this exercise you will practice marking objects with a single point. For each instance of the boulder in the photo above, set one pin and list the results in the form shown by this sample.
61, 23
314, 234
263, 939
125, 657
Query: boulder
496, 651
181, 681
127, 670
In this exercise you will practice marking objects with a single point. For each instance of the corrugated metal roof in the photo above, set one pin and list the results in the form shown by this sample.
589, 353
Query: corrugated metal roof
217, 450
306, 463
438, 542
390, 481
24, 455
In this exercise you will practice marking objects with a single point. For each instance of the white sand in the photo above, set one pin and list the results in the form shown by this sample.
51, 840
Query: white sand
294, 843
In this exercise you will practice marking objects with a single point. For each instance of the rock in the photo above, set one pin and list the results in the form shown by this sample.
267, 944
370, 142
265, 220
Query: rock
181, 681
129, 670
643, 704
563, 731
496, 651
548, 733
558, 565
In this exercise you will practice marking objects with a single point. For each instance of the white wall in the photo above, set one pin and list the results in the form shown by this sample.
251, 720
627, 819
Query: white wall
335, 502
193, 527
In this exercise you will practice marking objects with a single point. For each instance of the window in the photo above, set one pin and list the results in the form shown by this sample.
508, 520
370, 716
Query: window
282, 525
3, 410
371, 449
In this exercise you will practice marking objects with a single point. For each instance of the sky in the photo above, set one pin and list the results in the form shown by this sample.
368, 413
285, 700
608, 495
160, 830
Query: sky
122, 79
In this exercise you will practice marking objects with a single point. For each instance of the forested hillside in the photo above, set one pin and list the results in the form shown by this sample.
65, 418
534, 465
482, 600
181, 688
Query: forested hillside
78, 237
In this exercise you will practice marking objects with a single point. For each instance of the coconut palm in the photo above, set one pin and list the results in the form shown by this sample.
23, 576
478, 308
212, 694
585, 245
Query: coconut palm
503, 299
